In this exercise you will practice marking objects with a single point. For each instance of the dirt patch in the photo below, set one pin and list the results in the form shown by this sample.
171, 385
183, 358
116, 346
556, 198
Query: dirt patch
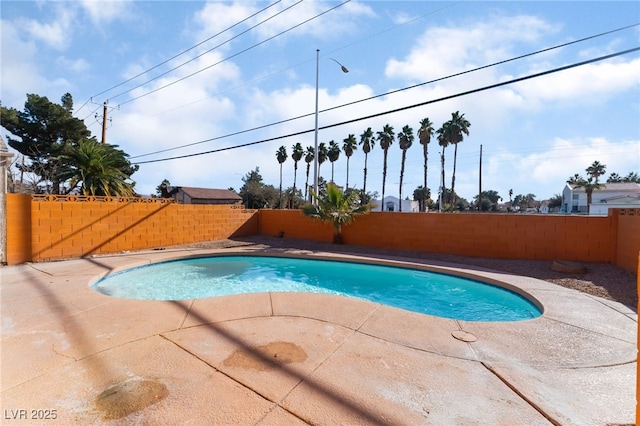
124, 398
266, 357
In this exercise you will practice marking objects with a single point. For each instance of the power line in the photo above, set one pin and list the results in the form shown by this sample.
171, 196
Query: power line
177, 55
465, 93
391, 92
209, 50
238, 53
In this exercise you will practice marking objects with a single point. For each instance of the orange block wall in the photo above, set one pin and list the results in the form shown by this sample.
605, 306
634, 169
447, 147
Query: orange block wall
64, 229
578, 238
628, 241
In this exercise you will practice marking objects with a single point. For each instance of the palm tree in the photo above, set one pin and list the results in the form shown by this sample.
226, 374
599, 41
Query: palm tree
309, 155
596, 170
100, 169
424, 135
323, 155
296, 155
589, 186
614, 178
510, 199
386, 138
349, 146
336, 207
333, 154
368, 142
281, 156
460, 127
443, 140
405, 140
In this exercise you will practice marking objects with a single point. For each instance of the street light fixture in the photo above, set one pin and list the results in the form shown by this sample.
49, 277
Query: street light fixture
344, 69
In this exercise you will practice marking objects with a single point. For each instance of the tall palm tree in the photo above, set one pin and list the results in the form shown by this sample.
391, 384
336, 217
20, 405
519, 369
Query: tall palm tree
323, 155
443, 135
385, 138
333, 154
368, 142
296, 155
424, 135
596, 170
336, 207
309, 155
281, 156
405, 140
99, 169
460, 127
349, 146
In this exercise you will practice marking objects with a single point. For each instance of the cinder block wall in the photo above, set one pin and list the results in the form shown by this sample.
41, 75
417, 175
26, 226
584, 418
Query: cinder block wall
611, 239
50, 229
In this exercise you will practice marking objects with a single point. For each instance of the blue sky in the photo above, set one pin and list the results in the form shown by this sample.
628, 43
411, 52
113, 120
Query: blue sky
534, 134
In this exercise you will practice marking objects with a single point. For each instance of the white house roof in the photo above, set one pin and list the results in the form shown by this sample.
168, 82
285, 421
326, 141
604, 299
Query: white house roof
611, 187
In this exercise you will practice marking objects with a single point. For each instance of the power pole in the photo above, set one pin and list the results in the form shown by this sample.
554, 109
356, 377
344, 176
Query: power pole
104, 122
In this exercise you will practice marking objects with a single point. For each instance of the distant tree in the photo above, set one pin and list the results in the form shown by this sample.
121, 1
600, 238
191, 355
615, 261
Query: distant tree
296, 155
555, 201
293, 199
458, 128
490, 200
405, 140
333, 153
281, 156
632, 177
443, 136
349, 146
368, 142
309, 155
162, 188
510, 200
385, 138
421, 196
589, 185
614, 178
595, 170
255, 194
323, 155
337, 208
425, 132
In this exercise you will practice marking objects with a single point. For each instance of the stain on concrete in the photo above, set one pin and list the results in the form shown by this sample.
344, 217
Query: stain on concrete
266, 357
127, 397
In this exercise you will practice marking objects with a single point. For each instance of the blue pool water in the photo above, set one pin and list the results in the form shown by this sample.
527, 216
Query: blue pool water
415, 290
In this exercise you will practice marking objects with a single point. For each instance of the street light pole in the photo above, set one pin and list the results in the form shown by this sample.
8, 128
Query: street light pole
316, 187
315, 142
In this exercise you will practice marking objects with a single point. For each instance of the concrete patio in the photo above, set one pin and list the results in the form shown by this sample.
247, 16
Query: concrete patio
295, 358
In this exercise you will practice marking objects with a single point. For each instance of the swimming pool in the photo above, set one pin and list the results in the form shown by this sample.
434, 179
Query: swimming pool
416, 290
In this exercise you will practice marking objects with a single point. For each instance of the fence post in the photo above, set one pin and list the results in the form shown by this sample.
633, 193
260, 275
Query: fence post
5, 158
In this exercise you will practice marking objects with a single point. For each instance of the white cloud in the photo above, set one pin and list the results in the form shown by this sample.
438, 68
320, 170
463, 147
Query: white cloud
58, 32
100, 11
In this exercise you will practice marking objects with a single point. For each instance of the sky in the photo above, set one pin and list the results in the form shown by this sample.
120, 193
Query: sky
185, 78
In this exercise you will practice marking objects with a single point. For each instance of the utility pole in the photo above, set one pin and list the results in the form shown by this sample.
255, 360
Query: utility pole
104, 122
480, 183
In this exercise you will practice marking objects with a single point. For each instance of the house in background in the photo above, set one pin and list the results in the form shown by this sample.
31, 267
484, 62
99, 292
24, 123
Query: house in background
190, 195
610, 195
391, 204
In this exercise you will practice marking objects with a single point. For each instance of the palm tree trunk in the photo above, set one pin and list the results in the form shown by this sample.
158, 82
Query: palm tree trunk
295, 174
384, 178
404, 157
424, 193
364, 184
280, 185
442, 179
453, 176
347, 184
306, 184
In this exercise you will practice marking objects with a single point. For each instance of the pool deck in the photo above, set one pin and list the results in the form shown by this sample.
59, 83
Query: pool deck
298, 358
